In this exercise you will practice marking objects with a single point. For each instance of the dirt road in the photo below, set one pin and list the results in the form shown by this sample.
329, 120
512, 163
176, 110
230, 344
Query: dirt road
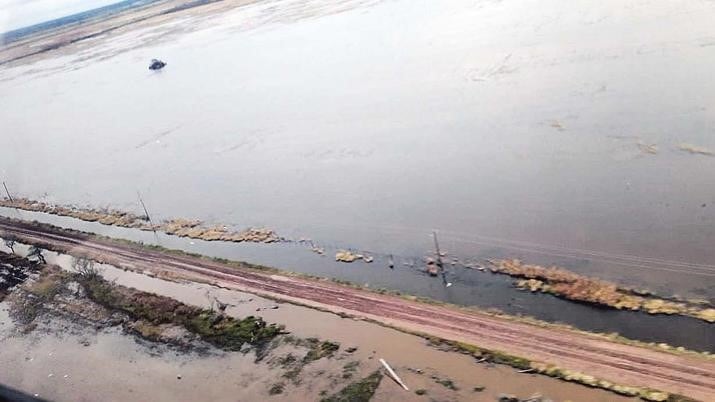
622, 364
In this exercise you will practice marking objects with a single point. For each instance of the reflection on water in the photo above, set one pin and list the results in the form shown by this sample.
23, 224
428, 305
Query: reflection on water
368, 124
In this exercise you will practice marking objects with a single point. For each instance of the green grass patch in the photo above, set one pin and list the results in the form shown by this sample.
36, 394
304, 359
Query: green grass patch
447, 383
359, 391
350, 368
318, 350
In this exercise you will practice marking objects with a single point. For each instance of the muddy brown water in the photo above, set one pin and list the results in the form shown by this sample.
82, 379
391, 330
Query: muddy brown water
516, 129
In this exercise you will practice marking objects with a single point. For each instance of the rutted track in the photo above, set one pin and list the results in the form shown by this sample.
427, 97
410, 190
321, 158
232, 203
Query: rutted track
618, 363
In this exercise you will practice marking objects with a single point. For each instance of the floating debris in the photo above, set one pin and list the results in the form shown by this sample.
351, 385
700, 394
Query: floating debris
393, 374
557, 125
432, 268
696, 150
318, 250
156, 64
647, 148
348, 256
345, 256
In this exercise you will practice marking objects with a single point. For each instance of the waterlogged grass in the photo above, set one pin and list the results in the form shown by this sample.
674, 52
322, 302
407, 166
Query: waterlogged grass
447, 383
276, 389
318, 349
350, 368
492, 356
217, 329
41, 291
521, 363
359, 391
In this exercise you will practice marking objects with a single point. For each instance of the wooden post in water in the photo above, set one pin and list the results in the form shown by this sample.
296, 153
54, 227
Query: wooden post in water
440, 264
153, 228
12, 201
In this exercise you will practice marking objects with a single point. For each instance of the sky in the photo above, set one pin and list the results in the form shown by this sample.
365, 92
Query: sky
21, 13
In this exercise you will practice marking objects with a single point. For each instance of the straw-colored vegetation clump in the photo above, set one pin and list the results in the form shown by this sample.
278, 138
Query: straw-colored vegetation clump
572, 286
181, 227
349, 256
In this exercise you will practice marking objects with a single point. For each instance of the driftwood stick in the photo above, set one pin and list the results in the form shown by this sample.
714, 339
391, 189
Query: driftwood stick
393, 374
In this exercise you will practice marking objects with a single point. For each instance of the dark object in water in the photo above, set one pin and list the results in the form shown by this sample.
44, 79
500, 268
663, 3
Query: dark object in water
156, 64
432, 268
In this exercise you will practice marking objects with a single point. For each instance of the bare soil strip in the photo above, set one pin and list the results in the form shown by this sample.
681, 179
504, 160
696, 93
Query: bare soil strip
623, 364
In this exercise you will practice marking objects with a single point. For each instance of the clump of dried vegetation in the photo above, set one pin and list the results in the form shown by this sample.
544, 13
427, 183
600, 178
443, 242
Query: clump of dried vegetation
572, 286
194, 229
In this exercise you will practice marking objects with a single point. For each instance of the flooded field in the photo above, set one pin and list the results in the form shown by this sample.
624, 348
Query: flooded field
573, 134
45, 357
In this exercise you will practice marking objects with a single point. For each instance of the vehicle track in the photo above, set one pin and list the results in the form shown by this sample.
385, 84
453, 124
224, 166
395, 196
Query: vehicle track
615, 362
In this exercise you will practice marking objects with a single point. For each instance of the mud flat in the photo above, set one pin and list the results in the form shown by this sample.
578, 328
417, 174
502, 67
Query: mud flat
569, 285
94, 313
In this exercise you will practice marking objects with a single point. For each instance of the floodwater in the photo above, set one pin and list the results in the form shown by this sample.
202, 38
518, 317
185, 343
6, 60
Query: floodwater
45, 359
543, 130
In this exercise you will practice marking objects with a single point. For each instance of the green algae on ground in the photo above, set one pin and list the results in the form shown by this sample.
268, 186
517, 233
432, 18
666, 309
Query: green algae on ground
350, 368
318, 349
359, 391
447, 383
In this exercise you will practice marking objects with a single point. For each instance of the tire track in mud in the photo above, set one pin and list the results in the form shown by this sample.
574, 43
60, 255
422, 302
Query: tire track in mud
606, 360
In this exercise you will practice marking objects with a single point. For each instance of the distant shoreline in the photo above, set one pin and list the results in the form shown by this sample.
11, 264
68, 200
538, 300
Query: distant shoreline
15, 35
23, 43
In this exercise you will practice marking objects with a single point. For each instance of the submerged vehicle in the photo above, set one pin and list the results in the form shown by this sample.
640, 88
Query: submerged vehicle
156, 64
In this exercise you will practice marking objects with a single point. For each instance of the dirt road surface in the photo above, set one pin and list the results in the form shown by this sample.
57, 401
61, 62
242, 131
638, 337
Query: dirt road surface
622, 364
